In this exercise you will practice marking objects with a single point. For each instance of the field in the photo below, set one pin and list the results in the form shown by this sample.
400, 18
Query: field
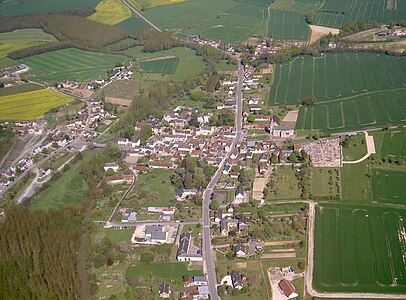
18, 7
26, 35
143, 4
133, 23
111, 12
359, 249
19, 89
288, 26
389, 186
356, 186
14, 107
320, 187
70, 64
162, 66
356, 148
66, 190
391, 143
354, 91
231, 21
284, 185
8, 47
188, 66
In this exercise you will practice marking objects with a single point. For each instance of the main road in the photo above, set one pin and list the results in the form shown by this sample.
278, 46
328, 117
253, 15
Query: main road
209, 264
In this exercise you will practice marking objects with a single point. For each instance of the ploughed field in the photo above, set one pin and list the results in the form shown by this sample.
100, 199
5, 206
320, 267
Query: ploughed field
360, 249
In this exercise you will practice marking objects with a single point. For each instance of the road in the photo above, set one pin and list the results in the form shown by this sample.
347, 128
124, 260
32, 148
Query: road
141, 16
209, 265
138, 223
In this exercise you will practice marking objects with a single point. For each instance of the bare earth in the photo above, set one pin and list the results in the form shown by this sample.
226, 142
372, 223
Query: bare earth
319, 31
118, 101
291, 116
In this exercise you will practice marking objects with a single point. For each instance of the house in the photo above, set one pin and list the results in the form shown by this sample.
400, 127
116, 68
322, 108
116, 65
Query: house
229, 185
239, 250
203, 292
155, 233
183, 253
234, 174
218, 215
199, 280
262, 168
227, 169
113, 166
132, 217
164, 290
288, 289
239, 195
282, 131
243, 223
236, 280
184, 194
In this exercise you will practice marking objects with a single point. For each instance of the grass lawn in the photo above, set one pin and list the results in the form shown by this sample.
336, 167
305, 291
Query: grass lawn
358, 249
356, 187
389, 186
70, 64
154, 188
14, 107
66, 190
118, 235
224, 67
325, 183
356, 148
284, 184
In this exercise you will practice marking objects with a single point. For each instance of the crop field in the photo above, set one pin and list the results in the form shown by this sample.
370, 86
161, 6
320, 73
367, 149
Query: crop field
142, 4
163, 66
111, 12
334, 13
18, 7
14, 107
232, 21
393, 144
389, 186
133, 23
17, 89
288, 26
360, 249
6, 48
297, 6
70, 64
26, 35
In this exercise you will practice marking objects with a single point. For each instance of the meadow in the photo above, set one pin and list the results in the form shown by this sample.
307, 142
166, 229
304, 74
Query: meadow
284, 185
143, 4
133, 23
355, 183
231, 21
288, 26
26, 35
359, 249
14, 107
391, 143
162, 66
8, 47
70, 64
111, 12
18, 7
388, 186
325, 183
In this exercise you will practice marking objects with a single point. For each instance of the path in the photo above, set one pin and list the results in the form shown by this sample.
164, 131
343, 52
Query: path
141, 16
370, 149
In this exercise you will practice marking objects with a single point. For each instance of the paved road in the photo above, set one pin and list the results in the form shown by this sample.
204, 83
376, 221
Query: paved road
141, 16
209, 264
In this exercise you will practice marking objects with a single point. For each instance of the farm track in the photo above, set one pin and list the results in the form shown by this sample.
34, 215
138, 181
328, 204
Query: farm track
141, 16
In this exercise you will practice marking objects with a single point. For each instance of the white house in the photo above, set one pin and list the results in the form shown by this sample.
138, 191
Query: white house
113, 166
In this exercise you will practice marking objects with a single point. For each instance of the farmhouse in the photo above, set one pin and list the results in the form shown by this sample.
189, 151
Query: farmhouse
288, 289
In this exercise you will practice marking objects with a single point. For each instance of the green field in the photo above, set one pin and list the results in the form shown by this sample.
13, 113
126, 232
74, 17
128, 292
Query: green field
228, 20
355, 183
389, 186
391, 143
14, 107
325, 183
354, 91
8, 47
189, 64
71, 64
133, 23
284, 184
66, 190
18, 7
162, 66
356, 148
29, 87
288, 26
163, 271
26, 35
359, 249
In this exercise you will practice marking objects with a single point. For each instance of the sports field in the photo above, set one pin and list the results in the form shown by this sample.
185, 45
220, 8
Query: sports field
162, 66
111, 12
71, 64
389, 186
230, 21
18, 7
288, 25
359, 249
14, 107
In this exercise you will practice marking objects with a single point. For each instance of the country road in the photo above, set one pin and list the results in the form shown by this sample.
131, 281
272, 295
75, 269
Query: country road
141, 16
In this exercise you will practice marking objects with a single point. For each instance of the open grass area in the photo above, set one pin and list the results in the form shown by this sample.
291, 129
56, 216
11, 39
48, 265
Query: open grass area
230, 21
17, 89
154, 188
8, 47
162, 66
133, 23
391, 143
14, 107
284, 184
355, 183
142, 4
26, 35
124, 89
64, 191
188, 66
388, 186
325, 183
71, 64
356, 147
287, 25
111, 12
224, 67
6, 62
18, 7
359, 249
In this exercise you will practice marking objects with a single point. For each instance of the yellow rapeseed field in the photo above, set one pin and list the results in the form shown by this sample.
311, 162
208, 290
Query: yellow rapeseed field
142, 4
111, 12
6, 48
30, 105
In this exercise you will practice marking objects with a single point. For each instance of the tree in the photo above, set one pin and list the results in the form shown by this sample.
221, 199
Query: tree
251, 118
197, 96
309, 100
215, 204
